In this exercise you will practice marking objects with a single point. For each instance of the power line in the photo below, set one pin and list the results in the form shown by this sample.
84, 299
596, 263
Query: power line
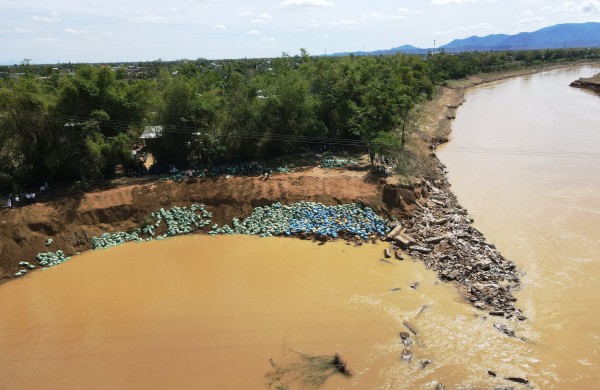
520, 152
191, 130
349, 142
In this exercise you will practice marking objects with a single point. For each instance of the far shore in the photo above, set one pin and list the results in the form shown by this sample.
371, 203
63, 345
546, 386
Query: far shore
441, 110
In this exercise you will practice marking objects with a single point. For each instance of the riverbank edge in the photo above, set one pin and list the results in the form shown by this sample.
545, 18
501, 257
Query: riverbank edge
590, 83
393, 200
441, 234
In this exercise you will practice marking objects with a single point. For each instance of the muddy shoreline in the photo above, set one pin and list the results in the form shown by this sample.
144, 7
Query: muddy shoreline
440, 233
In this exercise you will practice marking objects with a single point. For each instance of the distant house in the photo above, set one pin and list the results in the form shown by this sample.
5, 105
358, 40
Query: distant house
261, 95
151, 132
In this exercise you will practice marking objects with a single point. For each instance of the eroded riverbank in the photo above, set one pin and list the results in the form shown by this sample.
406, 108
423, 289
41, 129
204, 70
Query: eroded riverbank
444, 240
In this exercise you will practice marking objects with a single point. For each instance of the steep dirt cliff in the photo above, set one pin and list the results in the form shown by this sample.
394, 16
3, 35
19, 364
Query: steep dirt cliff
72, 220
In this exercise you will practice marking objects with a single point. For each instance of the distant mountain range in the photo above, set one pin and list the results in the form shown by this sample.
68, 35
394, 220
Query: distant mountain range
559, 36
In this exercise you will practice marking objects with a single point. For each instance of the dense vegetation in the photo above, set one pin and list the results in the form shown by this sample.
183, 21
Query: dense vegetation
79, 122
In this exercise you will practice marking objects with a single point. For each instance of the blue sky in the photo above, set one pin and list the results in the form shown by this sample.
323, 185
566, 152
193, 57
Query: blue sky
124, 30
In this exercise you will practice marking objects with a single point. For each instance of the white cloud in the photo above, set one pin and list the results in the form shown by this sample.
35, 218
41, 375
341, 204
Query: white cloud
148, 19
75, 32
404, 12
590, 6
401, 13
452, 2
585, 7
50, 18
529, 23
23, 30
313, 23
48, 39
245, 13
462, 29
253, 32
221, 27
271, 39
448, 2
306, 3
345, 22
262, 19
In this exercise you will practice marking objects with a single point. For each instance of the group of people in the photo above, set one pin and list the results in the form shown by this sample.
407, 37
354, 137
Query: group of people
29, 197
382, 163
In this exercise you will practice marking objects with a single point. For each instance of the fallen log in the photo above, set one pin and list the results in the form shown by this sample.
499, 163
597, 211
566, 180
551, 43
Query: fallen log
410, 327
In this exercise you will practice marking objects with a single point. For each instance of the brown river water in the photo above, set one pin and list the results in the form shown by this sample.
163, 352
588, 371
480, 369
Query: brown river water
202, 312
525, 161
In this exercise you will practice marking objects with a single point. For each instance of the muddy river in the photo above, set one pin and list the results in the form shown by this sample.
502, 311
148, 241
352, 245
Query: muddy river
525, 161
202, 312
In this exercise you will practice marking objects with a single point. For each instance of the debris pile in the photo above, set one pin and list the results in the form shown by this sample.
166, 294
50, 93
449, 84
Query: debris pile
440, 234
305, 370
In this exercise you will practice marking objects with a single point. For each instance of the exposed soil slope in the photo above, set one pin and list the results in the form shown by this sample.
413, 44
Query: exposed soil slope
74, 219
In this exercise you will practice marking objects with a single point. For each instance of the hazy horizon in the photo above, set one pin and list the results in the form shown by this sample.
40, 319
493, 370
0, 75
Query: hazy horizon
111, 31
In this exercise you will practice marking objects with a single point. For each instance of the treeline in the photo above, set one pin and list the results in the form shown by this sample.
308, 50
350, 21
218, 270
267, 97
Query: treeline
79, 122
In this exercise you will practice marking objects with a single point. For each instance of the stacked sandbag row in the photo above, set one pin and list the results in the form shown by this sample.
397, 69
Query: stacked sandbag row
309, 218
178, 220
336, 163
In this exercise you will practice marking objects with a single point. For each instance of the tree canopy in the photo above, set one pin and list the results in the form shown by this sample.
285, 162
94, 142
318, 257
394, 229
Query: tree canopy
79, 122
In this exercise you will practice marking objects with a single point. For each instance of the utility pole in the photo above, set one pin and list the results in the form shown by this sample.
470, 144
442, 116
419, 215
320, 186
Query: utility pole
434, 46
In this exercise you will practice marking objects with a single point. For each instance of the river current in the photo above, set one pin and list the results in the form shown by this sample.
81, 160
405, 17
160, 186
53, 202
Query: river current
524, 159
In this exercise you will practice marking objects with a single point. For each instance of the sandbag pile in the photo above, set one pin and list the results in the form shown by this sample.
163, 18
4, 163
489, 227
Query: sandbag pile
25, 267
336, 163
308, 218
49, 259
178, 220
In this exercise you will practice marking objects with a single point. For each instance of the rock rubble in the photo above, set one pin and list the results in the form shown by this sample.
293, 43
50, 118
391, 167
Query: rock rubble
440, 233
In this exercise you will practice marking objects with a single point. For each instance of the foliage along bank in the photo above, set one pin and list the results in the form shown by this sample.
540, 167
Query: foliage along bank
79, 122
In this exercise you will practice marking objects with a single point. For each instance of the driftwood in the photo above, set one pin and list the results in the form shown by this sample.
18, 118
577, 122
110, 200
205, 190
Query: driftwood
410, 327
421, 310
